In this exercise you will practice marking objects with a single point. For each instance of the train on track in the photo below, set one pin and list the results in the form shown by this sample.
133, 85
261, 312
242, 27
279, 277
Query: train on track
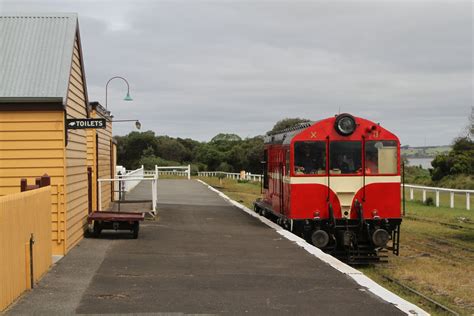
336, 183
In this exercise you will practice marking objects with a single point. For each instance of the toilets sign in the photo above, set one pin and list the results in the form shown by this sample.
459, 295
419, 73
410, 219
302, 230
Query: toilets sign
86, 123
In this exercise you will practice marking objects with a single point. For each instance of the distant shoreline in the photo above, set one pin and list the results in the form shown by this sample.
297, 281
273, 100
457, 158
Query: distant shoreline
424, 152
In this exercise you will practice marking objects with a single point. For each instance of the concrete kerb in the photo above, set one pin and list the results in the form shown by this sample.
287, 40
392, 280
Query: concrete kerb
356, 275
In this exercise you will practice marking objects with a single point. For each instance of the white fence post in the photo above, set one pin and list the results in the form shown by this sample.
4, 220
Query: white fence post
411, 194
424, 195
153, 195
437, 198
468, 201
99, 195
189, 172
451, 199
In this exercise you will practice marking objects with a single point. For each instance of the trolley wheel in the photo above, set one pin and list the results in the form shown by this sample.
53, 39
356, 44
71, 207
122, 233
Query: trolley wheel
96, 230
135, 230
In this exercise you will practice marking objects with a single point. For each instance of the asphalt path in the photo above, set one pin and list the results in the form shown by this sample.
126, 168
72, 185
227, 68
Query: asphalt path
199, 256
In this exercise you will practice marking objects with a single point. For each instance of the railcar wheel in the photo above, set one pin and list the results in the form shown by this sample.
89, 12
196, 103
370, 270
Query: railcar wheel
96, 230
320, 238
135, 230
380, 237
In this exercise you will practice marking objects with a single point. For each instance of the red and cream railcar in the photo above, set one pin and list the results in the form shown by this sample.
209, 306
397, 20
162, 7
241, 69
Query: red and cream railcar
336, 183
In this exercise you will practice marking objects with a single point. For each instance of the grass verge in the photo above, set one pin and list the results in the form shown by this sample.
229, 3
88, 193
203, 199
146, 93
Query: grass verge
436, 252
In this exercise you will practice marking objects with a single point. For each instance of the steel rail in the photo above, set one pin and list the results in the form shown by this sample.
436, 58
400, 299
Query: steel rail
413, 291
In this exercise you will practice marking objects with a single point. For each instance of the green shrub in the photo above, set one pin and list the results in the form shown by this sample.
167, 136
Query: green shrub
429, 201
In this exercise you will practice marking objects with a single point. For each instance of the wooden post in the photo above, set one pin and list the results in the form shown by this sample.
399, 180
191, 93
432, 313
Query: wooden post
45, 180
437, 198
89, 189
23, 185
451, 199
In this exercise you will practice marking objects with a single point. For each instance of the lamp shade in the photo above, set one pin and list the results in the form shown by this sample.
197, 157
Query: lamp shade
128, 97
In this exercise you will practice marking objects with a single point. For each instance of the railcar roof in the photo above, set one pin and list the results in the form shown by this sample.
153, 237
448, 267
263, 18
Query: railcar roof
286, 136
287, 133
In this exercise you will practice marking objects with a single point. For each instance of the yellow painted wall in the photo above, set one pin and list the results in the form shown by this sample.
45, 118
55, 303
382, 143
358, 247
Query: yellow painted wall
76, 157
91, 162
32, 144
104, 152
22, 214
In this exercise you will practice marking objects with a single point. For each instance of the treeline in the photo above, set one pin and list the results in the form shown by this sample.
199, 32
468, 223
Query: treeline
225, 152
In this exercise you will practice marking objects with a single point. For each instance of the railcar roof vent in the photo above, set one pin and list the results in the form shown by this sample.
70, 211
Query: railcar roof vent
293, 128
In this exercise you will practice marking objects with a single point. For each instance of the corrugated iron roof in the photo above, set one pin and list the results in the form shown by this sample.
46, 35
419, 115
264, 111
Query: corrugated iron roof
36, 56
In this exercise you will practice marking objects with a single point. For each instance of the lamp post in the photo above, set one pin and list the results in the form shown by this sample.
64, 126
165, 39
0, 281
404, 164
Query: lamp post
127, 97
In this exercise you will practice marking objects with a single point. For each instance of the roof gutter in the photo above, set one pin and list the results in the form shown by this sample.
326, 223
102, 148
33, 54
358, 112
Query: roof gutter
31, 103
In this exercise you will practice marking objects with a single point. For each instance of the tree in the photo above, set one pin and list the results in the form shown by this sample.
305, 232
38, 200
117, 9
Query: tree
460, 160
286, 123
209, 155
131, 147
226, 137
171, 149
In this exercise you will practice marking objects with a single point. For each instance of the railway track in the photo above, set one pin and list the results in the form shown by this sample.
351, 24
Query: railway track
454, 226
431, 301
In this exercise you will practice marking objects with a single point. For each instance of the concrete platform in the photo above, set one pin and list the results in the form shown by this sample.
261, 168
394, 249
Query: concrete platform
200, 256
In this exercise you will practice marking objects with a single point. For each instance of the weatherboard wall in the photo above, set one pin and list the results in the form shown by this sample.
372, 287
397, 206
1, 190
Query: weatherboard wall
32, 144
99, 155
76, 156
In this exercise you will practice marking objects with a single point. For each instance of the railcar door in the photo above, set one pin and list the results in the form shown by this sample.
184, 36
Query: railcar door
281, 188
346, 174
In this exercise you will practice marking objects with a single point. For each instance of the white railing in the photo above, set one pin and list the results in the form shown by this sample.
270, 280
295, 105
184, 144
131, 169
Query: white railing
452, 192
154, 189
233, 175
130, 184
120, 169
184, 171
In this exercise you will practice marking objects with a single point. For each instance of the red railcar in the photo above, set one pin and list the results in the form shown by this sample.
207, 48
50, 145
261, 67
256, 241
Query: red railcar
336, 183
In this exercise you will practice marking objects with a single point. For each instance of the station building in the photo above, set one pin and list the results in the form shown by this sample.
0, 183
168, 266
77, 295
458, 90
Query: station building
42, 84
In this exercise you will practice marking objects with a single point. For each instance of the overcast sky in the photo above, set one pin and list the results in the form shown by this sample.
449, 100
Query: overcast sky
198, 68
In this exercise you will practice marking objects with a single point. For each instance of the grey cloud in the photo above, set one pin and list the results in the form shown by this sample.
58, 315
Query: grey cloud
200, 68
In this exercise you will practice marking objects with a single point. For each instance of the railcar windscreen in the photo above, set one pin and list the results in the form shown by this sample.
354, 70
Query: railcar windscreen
346, 157
381, 157
310, 158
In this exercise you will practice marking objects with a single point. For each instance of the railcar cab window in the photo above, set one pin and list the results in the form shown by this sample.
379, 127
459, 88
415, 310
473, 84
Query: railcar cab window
346, 157
310, 158
381, 157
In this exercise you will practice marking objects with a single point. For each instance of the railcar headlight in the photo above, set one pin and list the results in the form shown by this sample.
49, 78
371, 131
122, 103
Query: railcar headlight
345, 124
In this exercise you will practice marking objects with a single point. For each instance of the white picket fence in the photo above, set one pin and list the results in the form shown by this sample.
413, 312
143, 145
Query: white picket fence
233, 175
437, 191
